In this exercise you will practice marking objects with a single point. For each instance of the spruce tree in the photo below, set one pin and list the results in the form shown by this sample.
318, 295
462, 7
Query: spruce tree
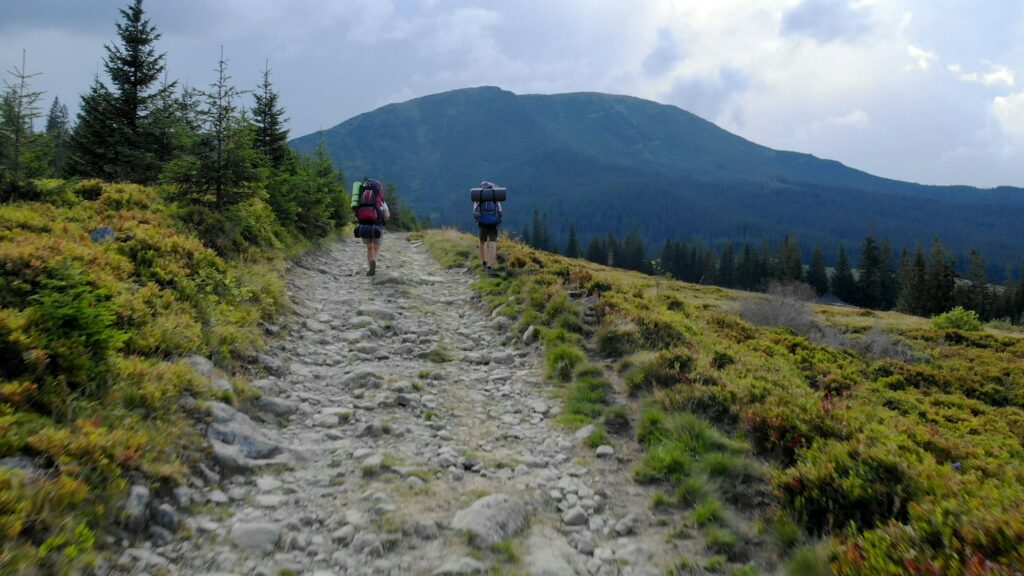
843, 284
58, 135
634, 255
727, 267
21, 149
596, 250
790, 267
613, 249
220, 164
890, 282
869, 289
118, 136
572, 247
913, 283
940, 280
817, 276
977, 287
271, 138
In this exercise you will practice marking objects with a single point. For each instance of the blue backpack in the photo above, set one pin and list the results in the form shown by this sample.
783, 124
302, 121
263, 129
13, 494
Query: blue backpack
489, 214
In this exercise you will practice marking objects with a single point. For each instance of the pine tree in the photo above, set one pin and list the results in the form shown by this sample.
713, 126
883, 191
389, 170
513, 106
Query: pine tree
843, 284
747, 268
58, 135
633, 254
613, 249
572, 247
538, 235
790, 267
21, 149
890, 282
119, 135
817, 276
940, 280
913, 283
596, 250
977, 288
727, 267
869, 289
220, 160
271, 139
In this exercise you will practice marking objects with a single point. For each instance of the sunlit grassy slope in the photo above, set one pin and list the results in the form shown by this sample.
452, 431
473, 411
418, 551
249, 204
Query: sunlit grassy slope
93, 390
875, 465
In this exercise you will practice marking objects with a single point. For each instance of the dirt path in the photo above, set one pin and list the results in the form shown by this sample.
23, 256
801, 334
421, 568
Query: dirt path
399, 403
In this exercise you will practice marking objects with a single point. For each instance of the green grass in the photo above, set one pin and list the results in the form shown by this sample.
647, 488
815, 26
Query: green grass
708, 511
887, 459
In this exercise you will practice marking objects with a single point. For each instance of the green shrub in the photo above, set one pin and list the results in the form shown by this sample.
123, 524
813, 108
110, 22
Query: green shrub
957, 319
74, 324
617, 340
863, 482
562, 360
666, 369
708, 511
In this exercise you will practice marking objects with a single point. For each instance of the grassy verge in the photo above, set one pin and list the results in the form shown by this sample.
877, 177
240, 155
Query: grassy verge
874, 464
92, 391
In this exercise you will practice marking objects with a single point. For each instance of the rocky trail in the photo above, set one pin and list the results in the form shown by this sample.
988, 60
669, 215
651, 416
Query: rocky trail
402, 430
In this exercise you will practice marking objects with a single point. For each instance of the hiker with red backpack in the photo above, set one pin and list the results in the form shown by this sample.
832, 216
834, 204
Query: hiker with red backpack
371, 213
487, 213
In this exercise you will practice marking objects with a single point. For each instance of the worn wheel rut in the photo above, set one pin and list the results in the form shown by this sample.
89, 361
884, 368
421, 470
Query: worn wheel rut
399, 402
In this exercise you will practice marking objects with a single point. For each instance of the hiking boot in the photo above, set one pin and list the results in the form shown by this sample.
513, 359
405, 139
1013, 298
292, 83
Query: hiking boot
373, 269
491, 272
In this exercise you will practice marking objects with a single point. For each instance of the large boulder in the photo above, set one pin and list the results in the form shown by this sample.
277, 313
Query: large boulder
492, 519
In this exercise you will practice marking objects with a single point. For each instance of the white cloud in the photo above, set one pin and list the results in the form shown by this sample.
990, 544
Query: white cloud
857, 119
923, 59
997, 75
1009, 114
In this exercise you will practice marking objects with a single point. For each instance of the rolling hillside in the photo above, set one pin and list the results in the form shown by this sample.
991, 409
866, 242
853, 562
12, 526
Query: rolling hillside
612, 163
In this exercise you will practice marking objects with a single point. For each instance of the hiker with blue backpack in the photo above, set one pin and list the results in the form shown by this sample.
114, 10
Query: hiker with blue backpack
487, 212
371, 212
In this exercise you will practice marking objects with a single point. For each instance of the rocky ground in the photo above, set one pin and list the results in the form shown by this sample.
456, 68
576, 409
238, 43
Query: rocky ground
402, 430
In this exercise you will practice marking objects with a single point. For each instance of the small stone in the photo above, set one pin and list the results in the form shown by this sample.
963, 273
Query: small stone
575, 516
530, 334
344, 535
460, 567
426, 530
260, 536
368, 544
267, 484
584, 433
326, 421
183, 496
135, 507
605, 451
166, 517
217, 497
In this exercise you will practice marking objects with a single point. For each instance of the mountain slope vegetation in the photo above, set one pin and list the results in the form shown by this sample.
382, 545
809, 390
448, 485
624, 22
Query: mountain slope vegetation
891, 446
617, 163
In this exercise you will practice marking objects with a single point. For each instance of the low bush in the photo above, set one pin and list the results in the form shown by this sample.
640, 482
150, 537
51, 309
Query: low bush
957, 319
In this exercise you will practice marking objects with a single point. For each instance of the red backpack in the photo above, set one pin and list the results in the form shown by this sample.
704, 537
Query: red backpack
371, 203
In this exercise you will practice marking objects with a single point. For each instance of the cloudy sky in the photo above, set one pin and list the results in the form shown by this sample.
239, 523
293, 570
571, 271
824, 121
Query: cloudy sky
924, 90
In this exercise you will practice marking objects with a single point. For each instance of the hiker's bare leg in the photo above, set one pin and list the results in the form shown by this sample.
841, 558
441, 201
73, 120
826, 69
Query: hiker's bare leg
492, 254
483, 253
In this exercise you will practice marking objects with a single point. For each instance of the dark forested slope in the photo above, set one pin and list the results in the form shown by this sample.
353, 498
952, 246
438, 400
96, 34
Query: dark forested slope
614, 163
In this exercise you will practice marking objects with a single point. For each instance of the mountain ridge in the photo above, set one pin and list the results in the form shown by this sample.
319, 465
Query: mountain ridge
581, 151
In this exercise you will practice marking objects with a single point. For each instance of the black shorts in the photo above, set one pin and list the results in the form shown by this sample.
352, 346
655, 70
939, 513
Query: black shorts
489, 233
